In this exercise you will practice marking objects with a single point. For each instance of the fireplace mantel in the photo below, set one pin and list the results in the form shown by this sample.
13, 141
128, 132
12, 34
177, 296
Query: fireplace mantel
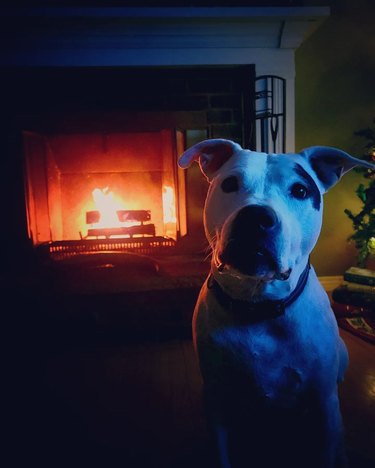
156, 36
192, 36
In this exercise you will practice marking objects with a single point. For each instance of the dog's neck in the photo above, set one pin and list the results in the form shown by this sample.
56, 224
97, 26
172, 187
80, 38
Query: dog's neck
260, 310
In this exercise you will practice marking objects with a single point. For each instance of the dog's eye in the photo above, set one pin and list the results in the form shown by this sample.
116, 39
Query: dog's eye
230, 184
299, 191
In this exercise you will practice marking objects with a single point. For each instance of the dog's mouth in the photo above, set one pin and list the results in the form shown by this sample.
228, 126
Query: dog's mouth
257, 262
250, 244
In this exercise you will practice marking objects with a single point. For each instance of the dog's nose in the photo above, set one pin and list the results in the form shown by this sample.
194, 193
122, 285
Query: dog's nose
256, 218
250, 244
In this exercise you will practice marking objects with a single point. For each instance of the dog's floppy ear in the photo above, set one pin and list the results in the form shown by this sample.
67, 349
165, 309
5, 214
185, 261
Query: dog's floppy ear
210, 154
330, 164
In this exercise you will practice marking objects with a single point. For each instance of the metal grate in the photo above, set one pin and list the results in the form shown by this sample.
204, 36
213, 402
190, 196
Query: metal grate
60, 250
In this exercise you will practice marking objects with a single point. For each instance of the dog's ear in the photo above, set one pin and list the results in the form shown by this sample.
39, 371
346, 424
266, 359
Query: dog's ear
330, 164
210, 154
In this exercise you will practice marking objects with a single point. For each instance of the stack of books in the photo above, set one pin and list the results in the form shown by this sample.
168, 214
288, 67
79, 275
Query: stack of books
353, 302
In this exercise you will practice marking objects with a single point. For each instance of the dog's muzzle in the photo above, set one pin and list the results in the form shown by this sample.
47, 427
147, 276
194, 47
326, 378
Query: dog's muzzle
251, 243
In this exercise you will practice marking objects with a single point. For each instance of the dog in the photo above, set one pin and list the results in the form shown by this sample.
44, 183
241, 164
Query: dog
266, 338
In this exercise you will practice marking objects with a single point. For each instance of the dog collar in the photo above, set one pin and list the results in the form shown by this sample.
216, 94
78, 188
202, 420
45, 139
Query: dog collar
263, 310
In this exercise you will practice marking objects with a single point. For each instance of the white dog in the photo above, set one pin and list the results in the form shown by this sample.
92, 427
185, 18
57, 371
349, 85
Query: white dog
267, 340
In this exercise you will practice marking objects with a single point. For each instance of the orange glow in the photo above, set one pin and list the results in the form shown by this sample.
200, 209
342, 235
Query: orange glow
79, 184
108, 204
169, 212
169, 205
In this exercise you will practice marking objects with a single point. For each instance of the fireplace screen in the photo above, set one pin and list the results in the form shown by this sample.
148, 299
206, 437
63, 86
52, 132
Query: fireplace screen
110, 187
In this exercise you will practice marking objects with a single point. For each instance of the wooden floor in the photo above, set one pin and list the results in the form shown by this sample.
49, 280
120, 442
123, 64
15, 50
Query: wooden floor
139, 405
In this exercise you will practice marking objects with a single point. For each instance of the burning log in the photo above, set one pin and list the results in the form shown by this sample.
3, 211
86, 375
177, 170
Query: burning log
132, 220
142, 229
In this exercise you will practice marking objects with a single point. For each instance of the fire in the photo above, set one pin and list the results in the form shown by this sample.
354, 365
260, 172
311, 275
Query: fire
169, 205
106, 204
109, 207
111, 217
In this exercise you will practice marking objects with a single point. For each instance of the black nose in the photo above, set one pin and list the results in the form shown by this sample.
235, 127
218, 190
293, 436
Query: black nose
251, 239
255, 218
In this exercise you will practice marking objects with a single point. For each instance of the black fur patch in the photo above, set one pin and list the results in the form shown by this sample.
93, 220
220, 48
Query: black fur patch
329, 172
311, 185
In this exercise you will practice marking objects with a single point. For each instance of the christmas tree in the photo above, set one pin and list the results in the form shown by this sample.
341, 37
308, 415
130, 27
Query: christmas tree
364, 221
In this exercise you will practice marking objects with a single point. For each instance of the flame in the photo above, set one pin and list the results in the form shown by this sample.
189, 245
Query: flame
169, 205
105, 203
108, 205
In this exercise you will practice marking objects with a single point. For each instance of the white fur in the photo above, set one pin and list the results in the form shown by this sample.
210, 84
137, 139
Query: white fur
263, 183
256, 372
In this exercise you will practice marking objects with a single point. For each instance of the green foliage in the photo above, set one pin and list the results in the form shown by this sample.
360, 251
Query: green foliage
364, 221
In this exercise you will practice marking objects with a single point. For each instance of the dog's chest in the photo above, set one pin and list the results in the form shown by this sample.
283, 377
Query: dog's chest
274, 360
265, 358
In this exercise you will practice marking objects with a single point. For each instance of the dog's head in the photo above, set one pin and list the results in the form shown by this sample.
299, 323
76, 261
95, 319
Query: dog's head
263, 212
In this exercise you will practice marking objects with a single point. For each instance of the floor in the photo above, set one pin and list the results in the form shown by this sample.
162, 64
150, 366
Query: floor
357, 394
139, 405
135, 403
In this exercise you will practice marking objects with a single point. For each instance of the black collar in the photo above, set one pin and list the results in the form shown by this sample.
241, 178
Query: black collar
258, 311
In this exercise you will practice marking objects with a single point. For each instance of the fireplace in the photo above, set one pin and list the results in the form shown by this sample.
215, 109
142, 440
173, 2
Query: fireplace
104, 190
97, 104
193, 68
99, 152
